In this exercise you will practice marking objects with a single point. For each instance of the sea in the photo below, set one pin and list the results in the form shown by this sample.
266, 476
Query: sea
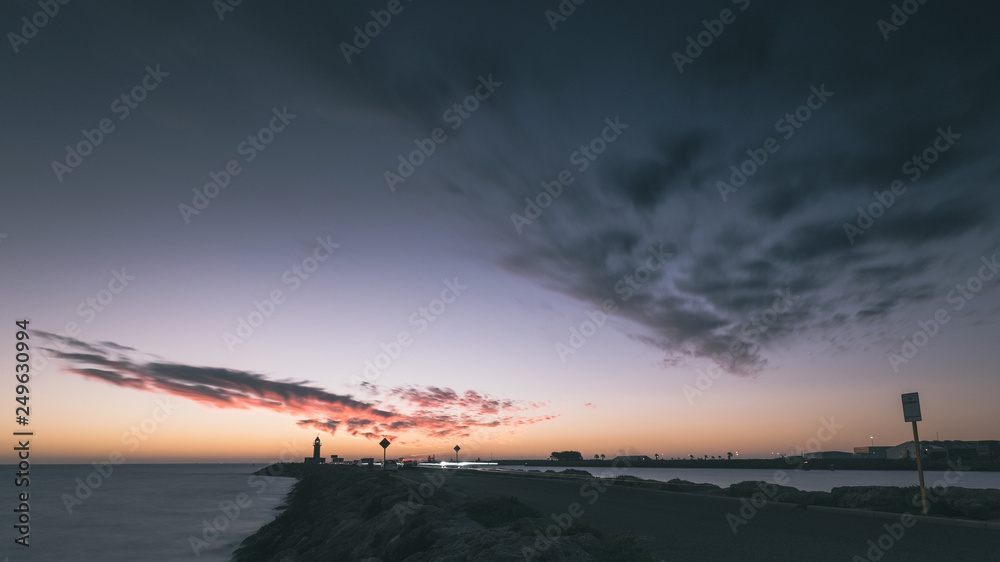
161, 512
809, 480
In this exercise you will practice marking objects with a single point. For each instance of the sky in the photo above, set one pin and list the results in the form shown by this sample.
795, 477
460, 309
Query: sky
515, 227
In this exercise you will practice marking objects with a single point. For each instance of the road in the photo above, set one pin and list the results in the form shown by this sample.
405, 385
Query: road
680, 527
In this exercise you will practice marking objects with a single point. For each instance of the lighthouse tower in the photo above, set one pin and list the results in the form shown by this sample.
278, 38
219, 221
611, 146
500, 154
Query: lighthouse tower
316, 458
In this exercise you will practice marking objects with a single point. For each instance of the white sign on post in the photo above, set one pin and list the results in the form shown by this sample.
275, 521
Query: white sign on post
911, 407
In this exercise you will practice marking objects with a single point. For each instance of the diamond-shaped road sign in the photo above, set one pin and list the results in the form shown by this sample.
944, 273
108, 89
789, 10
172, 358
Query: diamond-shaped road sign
457, 448
384, 442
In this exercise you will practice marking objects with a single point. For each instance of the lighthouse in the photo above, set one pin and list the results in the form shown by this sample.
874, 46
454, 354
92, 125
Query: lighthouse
316, 458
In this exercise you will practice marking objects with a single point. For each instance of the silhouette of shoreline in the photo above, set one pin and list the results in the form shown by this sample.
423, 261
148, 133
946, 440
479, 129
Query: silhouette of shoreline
353, 513
787, 463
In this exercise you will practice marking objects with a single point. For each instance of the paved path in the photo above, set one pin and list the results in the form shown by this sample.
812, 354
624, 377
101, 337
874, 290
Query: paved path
679, 527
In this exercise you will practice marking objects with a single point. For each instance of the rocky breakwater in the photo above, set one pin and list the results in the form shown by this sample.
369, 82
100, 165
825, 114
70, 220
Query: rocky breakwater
354, 514
951, 501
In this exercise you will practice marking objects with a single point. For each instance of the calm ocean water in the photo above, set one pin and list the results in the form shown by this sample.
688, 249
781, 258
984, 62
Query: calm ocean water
811, 480
140, 512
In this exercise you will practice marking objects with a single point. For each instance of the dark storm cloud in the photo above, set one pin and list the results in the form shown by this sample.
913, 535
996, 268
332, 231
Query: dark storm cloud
890, 274
656, 186
947, 219
784, 229
645, 184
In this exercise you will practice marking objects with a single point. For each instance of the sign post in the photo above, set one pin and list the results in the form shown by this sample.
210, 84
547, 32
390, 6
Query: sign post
385, 445
457, 448
911, 413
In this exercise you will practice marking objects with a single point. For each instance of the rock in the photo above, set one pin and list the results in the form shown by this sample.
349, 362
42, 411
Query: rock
748, 488
678, 485
355, 515
966, 502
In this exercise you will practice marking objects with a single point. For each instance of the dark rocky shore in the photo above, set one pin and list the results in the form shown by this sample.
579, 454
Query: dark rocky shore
953, 501
788, 463
354, 514
350, 513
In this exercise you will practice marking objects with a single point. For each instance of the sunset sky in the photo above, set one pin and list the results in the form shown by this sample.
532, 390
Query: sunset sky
641, 226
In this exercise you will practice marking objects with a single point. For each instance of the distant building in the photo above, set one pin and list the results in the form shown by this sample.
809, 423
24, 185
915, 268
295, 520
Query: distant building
631, 458
901, 451
827, 455
966, 450
872, 452
334, 459
989, 450
316, 458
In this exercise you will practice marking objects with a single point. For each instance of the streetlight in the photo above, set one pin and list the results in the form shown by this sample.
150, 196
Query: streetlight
873, 440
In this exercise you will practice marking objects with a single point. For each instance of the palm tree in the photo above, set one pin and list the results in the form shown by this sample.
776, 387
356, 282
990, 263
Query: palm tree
692, 457
602, 456
597, 457
730, 455
657, 455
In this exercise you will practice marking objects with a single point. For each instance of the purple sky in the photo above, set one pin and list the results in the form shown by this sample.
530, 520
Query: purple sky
587, 218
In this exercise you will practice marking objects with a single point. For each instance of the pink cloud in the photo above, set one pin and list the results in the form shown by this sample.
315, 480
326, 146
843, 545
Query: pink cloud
431, 412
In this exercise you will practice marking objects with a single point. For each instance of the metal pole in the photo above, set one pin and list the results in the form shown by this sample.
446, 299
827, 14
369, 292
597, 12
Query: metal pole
383, 468
920, 467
